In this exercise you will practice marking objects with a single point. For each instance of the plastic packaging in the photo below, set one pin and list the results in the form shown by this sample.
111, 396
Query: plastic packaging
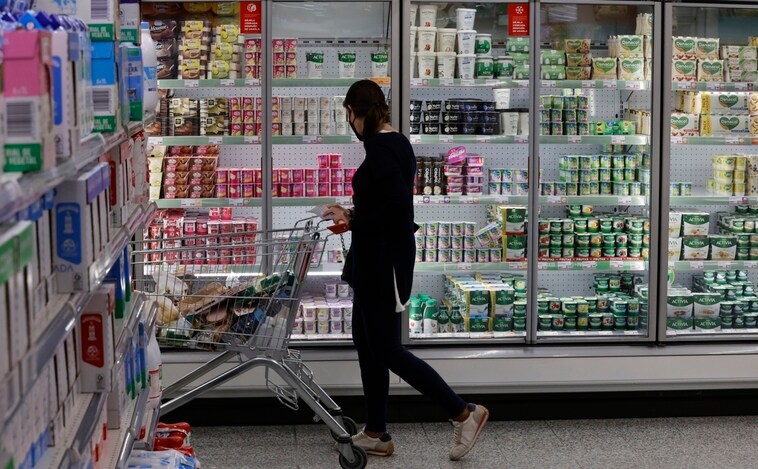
150, 68
154, 370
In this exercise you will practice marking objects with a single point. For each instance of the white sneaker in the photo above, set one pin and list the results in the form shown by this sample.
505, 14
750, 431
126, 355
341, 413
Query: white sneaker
467, 432
383, 446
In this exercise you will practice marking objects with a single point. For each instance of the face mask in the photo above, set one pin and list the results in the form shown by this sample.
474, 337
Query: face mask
357, 135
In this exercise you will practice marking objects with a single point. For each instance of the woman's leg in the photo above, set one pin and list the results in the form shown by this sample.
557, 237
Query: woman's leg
383, 339
374, 373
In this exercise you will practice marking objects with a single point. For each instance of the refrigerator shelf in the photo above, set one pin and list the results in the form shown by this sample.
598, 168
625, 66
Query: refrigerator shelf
730, 140
712, 86
256, 140
544, 139
694, 266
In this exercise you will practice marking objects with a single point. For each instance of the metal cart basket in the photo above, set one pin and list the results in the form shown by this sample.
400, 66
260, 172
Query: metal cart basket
237, 291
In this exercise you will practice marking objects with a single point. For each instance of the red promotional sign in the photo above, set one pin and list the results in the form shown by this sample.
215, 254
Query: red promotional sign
518, 19
250, 17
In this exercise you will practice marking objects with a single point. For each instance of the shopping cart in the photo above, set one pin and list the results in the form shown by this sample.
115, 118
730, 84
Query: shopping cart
237, 291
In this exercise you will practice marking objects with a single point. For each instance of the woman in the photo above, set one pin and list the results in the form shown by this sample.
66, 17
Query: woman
379, 268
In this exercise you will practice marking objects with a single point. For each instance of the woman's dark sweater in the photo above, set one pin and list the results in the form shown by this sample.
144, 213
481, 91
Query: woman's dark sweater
382, 225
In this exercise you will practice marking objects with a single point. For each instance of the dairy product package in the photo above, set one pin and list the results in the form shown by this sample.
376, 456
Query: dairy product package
632, 68
315, 64
579, 60
346, 64
630, 46
604, 68
684, 47
707, 48
684, 124
684, 70
710, 70
739, 52
379, 64
724, 124
724, 103
578, 73
675, 249
552, 57
577, 46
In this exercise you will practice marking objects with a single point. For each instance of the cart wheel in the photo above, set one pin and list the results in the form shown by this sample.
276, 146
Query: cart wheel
360, 459
350, 426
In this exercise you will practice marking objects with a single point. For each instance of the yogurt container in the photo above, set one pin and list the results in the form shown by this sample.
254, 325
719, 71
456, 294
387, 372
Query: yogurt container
413, 38
466, 42
346, 64
483, 44
315, 62
379, 64
427, 15
446, 64
466, 66
426, 64
446, 38
413, 13
465, 18
484, 67
427, 39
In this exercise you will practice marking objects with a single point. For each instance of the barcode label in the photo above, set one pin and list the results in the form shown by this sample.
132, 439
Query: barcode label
101, 100
20, 119
100, 10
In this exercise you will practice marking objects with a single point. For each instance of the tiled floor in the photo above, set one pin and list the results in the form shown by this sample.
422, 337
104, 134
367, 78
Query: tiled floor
691, 443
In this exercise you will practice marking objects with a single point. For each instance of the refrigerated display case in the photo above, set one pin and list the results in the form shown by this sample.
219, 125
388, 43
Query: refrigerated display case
708, 187
466, 114
595, 120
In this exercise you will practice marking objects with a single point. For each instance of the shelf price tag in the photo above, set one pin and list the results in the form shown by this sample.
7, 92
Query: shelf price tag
625, 200
696, 265
156, 140
504, 199
685, 86
446, 82
740, 86
734, 141
343, 200
446, 138
750, 264
436, 199
618, 139
677, 140
415, 138
564, 265
714, 86
737, 200
444, 335
464, 266
610, 84
575, 139
491, 82
191, 203
227, 82
617, 265
631, 333
576, 332
556, 199
252, 82
520, 139
605, 332
483, 139
254, 139
548, 83
725, 265
461, 335
415, 81
309, 139
192, 83
480, 335
589, 265
238, 202
468, 82
633, 85
215, 140
588, 83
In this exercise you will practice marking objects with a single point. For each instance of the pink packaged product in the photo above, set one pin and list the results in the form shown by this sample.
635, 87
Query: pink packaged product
335, 160
323, 189
290, 45
297, 190
222, 176
234, 191
284, 190
323, 161
455, 180
298, 176
348, 189
456, 155
324, 175
474, 180
233, 175
473, 190
279, 45
310, 189
310, 175
247, 176
337, 175
452, 170
454, 189
247, 191
222, 191
474, 160
349, 173
475, 171
338, 190
284, 176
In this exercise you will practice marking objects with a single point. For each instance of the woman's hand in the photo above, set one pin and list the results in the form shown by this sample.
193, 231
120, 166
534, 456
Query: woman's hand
338, 214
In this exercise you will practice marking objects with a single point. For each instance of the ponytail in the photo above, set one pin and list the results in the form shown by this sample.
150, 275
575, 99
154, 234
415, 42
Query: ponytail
367, 100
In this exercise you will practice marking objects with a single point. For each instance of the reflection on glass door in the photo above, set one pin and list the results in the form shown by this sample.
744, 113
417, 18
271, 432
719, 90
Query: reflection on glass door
594, 124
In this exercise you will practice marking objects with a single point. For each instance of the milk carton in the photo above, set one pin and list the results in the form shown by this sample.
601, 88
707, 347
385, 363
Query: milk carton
101, 16
105, 93
29, 139
96, 341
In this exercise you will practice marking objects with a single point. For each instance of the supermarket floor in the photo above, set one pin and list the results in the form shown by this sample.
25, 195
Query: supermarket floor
670, 443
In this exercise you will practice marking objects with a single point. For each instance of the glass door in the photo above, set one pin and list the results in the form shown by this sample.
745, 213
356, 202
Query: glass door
709, 180
594, 180
466, 99
318, 50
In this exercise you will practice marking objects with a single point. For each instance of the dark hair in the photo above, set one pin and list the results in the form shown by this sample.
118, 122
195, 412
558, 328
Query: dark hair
367, 100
